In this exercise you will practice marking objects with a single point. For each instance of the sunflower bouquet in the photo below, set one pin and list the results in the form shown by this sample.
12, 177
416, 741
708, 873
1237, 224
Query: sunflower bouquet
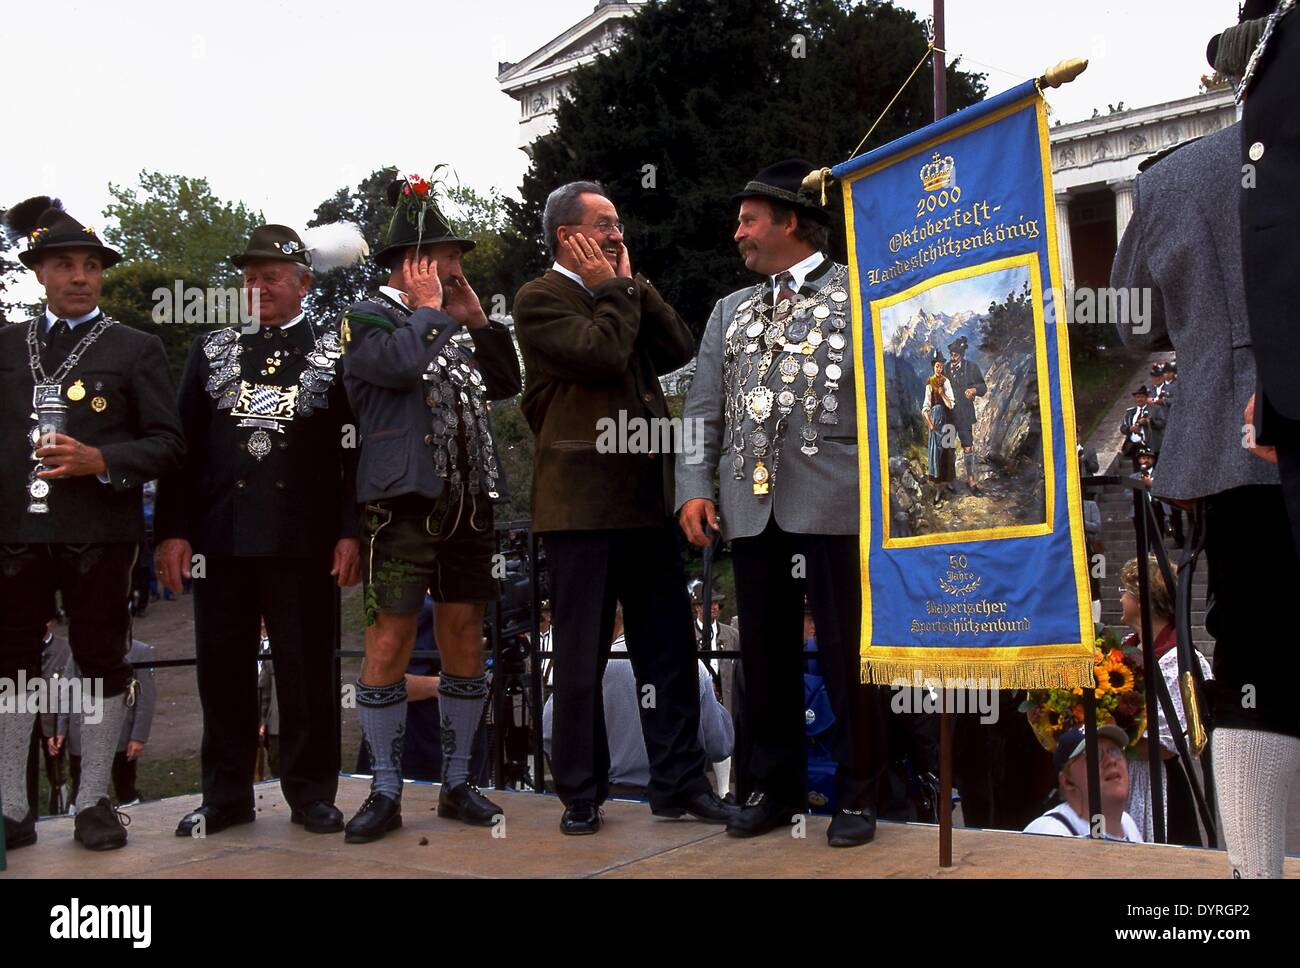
1119, 694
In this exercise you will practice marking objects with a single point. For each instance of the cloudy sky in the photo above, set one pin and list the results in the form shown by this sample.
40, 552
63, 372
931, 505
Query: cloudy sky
279, 104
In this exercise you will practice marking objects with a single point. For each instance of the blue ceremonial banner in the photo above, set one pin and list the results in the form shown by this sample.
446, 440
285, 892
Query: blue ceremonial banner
973, 562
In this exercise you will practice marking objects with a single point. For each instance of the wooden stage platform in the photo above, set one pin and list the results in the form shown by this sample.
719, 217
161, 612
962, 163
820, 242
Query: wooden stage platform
631, 844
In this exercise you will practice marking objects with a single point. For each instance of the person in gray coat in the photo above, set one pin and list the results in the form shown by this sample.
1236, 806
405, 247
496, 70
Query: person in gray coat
773, 395
1183, 244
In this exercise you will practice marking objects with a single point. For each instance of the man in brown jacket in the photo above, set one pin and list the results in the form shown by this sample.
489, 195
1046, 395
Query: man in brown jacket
594, 340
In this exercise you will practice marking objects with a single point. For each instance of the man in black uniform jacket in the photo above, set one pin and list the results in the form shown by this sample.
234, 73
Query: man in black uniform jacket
266, 500
121, 431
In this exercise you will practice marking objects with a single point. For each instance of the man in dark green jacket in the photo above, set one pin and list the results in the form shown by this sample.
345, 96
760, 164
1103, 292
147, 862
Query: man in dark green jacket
595, 340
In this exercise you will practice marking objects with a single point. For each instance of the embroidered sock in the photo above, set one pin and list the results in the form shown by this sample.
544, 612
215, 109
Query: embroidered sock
1253, 771
15, 740
98, 747
461, 704
382, 713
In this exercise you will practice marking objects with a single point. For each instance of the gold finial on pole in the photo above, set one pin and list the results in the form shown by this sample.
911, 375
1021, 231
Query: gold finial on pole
816, 181
1064, 72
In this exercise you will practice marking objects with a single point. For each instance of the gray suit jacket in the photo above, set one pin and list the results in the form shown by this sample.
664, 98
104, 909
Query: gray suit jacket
1184, 243
810, 495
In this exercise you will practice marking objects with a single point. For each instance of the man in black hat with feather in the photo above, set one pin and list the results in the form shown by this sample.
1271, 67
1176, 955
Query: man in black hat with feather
266, 500
428, 475
71, 510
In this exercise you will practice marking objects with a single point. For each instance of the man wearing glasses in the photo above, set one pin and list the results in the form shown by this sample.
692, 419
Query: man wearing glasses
595, 340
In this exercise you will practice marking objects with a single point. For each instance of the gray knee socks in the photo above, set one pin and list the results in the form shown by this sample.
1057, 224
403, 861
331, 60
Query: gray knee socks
461, 704
382, 712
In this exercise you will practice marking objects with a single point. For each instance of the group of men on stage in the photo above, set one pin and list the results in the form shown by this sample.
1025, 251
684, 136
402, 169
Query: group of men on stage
302, 455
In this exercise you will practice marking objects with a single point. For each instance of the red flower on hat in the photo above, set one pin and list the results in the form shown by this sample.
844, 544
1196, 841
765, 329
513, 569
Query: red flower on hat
418, 185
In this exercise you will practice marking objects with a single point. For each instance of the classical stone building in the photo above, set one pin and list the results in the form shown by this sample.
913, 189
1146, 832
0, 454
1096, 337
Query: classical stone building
1094, 163
538, 81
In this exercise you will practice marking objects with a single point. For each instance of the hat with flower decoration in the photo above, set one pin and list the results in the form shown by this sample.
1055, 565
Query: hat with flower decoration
42, 221
416, 220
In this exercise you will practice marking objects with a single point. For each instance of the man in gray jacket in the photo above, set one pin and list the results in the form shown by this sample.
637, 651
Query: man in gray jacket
427, 476
1184, 245
773, 394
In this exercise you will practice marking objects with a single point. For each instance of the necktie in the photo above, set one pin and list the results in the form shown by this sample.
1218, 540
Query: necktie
55, 334
784, 296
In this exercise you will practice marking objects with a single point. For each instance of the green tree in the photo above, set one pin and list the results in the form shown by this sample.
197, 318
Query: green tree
176, 221
701, 94
10, 271
171, 229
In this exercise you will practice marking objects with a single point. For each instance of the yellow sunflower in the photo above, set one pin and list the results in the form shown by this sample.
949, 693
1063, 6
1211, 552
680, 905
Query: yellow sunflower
1115, 677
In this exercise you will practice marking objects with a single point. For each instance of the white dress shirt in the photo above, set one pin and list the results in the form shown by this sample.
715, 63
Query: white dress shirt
571, 274
799, 271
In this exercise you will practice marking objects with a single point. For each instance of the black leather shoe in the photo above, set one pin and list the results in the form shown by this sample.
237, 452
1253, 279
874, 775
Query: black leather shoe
852, 828
580, 817
214, 819
704, 806
760, 814
467, 804
377, 816
20, 833
319, 817
100, 827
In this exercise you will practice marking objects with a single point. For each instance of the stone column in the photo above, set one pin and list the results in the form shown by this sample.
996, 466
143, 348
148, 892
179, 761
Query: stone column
1123, 206
1063, 240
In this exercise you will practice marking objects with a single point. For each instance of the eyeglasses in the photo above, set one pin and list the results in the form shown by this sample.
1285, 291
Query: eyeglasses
604, 226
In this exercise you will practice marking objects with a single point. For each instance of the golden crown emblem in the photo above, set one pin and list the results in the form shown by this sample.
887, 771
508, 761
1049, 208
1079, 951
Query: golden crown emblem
938, 173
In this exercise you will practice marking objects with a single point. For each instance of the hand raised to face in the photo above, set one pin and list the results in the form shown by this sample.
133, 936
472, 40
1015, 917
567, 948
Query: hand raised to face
423, 287
592, 266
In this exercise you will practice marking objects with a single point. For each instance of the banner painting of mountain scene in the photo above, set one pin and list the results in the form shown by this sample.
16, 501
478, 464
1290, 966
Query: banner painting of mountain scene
971, 521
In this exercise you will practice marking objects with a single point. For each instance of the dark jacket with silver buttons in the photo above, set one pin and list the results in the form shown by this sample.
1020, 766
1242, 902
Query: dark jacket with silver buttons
384, 370
251, 491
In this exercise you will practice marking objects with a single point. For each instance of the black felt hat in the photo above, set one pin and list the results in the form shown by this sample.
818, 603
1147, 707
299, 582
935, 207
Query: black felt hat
276, 243
46, 226
783, 182
959, 345
416, 220
1250, 10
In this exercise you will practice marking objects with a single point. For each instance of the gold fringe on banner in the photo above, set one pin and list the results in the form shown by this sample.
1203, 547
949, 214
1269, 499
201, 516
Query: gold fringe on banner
1008, 673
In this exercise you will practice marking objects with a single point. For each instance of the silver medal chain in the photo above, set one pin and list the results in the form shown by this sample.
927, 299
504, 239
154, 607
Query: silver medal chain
78, 351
